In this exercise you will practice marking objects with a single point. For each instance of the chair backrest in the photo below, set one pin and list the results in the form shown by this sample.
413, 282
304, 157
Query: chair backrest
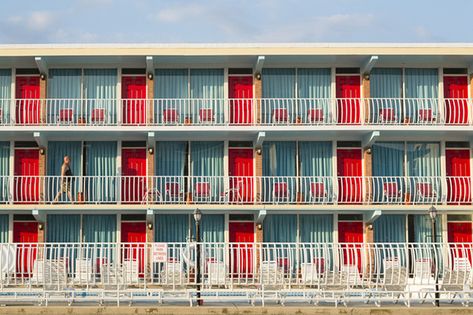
206, 114
461, 263
170, 115
98, 114
391, 189
387, 113
280, 114
317, 189
423, 268
65, 114
395, 276
425, 189
280, 189
173, 189
202, 189
316, 114
425, 114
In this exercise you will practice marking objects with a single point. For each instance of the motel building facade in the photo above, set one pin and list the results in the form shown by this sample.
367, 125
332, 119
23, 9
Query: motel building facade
319, 173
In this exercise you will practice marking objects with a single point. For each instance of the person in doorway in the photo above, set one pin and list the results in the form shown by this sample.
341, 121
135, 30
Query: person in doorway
66, 179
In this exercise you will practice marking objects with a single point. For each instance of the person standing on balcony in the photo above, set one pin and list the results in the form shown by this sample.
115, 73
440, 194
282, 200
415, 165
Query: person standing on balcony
66, 179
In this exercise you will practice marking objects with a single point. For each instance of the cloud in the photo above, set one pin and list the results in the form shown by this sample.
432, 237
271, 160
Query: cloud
34, 21
179, 13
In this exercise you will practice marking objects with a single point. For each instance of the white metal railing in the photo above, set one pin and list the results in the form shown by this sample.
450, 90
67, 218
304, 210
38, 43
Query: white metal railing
383, 190
258, 272
245, 111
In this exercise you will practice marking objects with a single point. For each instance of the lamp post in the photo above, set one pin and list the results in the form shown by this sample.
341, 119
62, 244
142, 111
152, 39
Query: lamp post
197, 218
433, 221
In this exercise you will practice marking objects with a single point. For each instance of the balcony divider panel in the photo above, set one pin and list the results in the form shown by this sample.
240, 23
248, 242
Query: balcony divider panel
5, 95
390, 228
102, 170
4, 171
64, 94
171, 228
4, 228
171, 88
56, 152
386, 92
206, 90
100, 90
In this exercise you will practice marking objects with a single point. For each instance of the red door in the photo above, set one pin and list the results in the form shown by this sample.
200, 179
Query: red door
134, 100
134, 175
456, 94
27, 104
460, 239
350, 237
242, 236
458, 175
133, 235
349, 175
26, 235
240, 170
240, 92
26, 171
348, 95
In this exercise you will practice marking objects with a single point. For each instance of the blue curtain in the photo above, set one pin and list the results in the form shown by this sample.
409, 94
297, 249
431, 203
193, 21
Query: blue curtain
423, 159
99, 228
279, 164
314, 84
4, 170
63, 84
206, 161
4, 228
278, 228
171, 83
315, 167
207, 84
421, 83
385, 83
172, 89
171, 228
316, 228
63, 228
5, 94
388, 159
101, 163
56, 152
423, 229
100, 90
390, 228
278, 84
212, 228
170, 158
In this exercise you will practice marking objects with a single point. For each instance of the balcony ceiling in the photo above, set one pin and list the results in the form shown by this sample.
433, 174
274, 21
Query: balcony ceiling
238, 55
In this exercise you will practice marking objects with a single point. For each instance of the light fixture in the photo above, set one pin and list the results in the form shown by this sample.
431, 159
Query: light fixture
151, 150
42, 76
41, 226
259, 226
368, 150
433, 213
370, 227
197, 215
150, 76
366, 76
150, 226
258, 76
259, 151
42, 151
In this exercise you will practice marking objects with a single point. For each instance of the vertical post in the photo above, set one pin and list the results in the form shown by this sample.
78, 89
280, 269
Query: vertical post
43, 97
150, 98
433, 218
257, 97
197, 218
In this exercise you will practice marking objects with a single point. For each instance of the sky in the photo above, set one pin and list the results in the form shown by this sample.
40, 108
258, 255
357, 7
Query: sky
234, 21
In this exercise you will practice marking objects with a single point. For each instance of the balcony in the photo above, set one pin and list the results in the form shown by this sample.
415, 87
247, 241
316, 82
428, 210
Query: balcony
333, 273
221, 190
236, 112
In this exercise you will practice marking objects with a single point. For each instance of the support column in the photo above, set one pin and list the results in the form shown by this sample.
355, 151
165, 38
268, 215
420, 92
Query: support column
258, 95
42, 172
258, 175
365, 94
43, 84
369, 240
367, 173
41, 232
150, 97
